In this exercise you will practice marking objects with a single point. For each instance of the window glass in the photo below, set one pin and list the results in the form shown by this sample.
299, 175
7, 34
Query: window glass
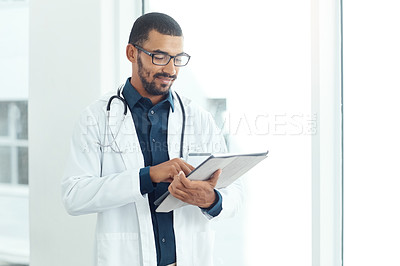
22, 127
260, 87
23, 165
14, 142
3, 120
5, 164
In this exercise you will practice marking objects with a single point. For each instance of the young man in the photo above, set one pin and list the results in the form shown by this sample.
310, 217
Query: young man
121, 163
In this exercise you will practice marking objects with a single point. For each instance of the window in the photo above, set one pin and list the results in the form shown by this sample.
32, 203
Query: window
261, 82
13, 142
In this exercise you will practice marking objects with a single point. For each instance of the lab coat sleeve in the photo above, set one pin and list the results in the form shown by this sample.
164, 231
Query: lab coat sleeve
232, 196
83, 189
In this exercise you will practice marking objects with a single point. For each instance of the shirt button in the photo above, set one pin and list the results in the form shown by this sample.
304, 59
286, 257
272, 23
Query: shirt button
163, 240
152, 112
153, 140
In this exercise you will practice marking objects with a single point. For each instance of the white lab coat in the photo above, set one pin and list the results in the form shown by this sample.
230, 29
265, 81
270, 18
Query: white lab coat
124, 233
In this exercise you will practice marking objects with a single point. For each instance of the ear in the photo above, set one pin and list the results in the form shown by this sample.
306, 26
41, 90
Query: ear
131, 53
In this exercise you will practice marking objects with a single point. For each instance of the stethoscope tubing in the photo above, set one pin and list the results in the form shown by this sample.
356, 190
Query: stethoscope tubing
119, 97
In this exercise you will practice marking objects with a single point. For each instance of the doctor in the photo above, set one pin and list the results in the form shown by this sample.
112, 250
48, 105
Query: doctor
120, 164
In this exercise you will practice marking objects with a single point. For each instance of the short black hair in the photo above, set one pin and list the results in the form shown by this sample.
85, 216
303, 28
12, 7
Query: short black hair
160, 22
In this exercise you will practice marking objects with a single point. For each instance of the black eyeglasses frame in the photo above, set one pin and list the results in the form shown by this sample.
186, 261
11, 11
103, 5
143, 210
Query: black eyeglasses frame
170, 56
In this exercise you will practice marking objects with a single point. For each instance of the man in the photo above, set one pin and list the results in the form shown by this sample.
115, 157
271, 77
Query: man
120, 164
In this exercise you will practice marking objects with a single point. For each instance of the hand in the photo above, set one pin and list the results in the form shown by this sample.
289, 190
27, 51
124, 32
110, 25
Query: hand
198, 193
165, 172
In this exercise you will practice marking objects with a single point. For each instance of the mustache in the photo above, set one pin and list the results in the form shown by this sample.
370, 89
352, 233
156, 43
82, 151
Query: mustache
165, 75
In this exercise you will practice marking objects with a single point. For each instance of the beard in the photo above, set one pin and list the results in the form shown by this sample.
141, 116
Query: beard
151, 87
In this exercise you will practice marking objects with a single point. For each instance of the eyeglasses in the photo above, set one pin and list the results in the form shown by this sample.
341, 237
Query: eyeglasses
162, 59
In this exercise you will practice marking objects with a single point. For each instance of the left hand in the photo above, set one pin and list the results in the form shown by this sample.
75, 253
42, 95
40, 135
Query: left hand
198, 193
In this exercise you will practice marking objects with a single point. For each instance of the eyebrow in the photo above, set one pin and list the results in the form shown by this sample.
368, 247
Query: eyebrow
163, 52
159, 51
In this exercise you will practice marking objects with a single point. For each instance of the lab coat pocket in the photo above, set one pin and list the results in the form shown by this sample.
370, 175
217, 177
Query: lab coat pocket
118, 249
203, 248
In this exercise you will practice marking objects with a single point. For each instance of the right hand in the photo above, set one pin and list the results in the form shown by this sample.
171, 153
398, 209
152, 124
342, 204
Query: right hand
165, 172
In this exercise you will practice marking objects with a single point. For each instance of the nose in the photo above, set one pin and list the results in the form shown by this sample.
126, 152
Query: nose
170, 68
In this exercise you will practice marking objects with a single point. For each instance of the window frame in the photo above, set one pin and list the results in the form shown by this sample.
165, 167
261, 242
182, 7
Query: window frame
327, 143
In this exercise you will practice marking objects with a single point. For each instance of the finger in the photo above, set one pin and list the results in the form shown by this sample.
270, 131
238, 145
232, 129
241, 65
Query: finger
173, 186
185, 167
214, 178
216, 174
191, 167
178, 193
185, 181
177, 183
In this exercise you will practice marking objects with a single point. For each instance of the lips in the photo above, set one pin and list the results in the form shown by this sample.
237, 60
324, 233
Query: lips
165, 80
165, 77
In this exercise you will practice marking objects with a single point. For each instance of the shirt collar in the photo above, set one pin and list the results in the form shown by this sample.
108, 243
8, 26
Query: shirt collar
132, 96
170, 99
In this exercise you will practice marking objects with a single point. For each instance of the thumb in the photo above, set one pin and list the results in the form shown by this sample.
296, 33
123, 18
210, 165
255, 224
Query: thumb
181, 174
215, 176
183, 180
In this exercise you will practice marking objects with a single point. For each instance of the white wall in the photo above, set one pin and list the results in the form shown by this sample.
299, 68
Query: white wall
14, 222
65, 75
13, 51
371, 132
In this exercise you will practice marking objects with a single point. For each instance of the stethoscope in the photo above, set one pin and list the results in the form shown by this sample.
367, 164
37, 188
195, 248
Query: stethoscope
114, 137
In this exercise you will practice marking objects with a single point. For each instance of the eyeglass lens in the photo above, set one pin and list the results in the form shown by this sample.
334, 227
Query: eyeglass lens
161, 59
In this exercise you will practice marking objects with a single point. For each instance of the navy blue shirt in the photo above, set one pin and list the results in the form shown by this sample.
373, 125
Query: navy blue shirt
151, 123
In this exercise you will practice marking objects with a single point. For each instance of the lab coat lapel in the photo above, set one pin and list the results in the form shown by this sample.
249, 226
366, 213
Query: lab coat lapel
128, 144
122, 135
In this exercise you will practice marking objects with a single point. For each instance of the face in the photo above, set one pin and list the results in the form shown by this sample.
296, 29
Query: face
151, 79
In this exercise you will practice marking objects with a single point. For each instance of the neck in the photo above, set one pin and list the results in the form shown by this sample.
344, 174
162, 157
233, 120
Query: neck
153, 98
